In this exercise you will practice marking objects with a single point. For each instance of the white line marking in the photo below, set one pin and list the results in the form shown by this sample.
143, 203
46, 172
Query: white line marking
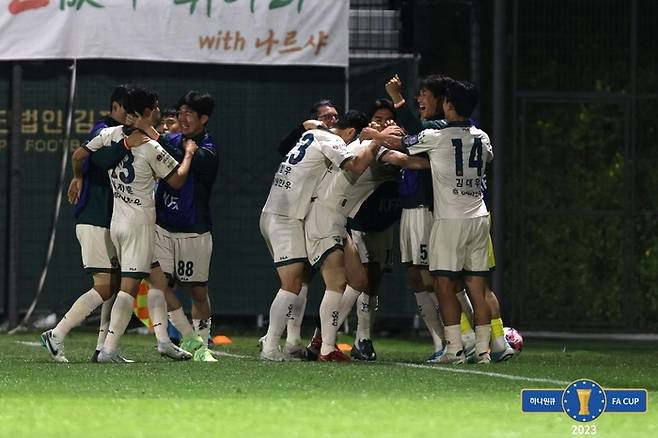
223, 353
29, 343
483, 373
651, 337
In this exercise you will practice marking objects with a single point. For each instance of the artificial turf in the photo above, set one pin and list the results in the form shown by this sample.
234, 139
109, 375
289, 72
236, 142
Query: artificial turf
397, 396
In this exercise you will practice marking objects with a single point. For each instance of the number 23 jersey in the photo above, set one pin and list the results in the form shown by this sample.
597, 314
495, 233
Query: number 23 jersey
298, 176
133, 179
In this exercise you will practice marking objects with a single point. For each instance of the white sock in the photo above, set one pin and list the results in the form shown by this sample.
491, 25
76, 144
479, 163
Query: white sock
294, 325
482, 337
498, 344
365, 312
180, 321
119, 318
466, 305
202, 328
453, 339
329, 317
435, 300
106, 309
280, 311
429, 314
347, 302
158, 314
81, 308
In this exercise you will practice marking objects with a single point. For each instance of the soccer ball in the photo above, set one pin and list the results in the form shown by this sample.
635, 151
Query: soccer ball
514, 339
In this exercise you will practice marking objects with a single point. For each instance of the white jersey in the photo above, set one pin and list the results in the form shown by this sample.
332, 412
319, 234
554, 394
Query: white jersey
133, 179
298, 176
344, 192
458, 156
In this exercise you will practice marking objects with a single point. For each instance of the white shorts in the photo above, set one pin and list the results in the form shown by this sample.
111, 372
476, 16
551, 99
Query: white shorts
415, 228
185, 257
284, 237
375, 247
460, 246
134, 245
98, 252
325, 231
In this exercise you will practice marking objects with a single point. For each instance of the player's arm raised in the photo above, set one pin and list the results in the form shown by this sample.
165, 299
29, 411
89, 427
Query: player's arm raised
177, 177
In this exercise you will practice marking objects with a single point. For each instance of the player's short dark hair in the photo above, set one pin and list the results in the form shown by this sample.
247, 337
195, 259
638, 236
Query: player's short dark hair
119, 94
381, 104
314, 112
435, 84
170, 111
353, 119
138, 99
464, 97
201, 102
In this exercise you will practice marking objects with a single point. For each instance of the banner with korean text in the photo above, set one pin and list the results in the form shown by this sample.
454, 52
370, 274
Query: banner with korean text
264, 32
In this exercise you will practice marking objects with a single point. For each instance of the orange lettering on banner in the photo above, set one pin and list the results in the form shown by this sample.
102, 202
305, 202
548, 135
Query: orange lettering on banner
270, 42
323, 38
291, 40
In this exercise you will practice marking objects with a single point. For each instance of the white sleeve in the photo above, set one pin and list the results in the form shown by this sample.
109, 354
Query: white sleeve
159, 159
336, 150
104, 138
425, 141
487, 148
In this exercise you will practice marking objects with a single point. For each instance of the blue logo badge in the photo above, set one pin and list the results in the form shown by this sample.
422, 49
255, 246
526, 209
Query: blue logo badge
584, 400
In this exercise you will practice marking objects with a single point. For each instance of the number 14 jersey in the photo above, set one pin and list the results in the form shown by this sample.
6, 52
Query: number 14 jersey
458, 155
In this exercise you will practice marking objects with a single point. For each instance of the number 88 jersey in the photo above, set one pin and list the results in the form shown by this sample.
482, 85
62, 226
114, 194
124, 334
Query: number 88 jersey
299, 175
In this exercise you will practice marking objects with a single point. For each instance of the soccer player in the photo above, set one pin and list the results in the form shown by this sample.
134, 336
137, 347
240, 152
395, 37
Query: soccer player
372, 232
460, 232
91, 193
183, 233
416, 200
339, 196
430, 104
326, 112
282, 222
133, 219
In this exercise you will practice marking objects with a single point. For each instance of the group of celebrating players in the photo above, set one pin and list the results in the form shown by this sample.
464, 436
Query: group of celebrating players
331, 207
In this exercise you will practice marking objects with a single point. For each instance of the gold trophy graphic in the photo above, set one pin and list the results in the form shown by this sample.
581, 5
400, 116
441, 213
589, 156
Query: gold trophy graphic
583, 399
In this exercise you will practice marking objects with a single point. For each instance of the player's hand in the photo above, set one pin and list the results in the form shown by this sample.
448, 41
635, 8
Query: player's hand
313, 124
394, 89
136, 138
369, 132
190, 146
75, 187
137, 121
391, 137
391, 123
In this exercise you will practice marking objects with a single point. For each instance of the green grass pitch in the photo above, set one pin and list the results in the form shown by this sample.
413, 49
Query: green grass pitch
397, 396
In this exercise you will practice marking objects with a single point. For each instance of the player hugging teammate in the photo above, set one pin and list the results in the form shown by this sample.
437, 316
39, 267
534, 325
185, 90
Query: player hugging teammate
445, 227
126, 157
